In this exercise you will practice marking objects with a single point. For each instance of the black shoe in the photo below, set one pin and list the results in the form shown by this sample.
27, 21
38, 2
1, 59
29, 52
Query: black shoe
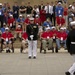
34, 57
67, 73
74, 73
44, 51
29, 57
8, 51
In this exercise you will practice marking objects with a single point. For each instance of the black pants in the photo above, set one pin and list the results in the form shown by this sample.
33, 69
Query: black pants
48, 15
1, 20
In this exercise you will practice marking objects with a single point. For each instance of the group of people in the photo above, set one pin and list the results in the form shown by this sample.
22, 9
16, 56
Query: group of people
50, 22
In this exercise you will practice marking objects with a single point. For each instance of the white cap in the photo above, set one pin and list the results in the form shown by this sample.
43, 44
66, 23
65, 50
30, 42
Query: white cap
19, 26
37, 16
4, 23
47, 28
59, 2
28, 15
72, 23
11, 15
20, 15
70, 5
72, 14
6, 28
53, 27
0, 3
31, 18
62, 28
60, 15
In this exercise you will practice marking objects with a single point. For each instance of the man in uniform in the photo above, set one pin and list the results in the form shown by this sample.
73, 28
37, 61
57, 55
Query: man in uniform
70, 42
32, 32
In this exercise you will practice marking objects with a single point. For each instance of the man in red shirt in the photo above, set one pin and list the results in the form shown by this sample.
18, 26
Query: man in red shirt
18, 32
47, 37
24, 41
7, 37
60, 21
61, 38
11, 21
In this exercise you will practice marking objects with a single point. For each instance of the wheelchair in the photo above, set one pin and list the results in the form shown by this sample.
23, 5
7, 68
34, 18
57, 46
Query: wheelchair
54, 48
7, 51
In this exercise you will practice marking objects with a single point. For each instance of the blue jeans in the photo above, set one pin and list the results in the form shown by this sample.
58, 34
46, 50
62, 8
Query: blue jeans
58, 42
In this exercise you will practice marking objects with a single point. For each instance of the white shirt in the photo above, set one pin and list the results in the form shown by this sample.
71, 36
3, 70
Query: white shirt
50, 8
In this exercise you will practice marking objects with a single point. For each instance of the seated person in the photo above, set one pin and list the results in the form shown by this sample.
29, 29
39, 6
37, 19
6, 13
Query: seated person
11, 21
18, 32
54, 32
46, 37
20, 21
47, 23
24, 41
61, 38
7, 39
3, 28
60, 21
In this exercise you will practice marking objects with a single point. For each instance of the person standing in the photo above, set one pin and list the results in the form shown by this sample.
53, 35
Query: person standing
32, 32
70, 42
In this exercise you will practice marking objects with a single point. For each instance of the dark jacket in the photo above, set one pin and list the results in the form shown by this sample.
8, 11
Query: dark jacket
70, 42
32, 29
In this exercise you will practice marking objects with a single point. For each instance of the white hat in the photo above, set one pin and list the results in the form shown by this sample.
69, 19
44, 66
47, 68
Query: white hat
70, 5
72, 14
31, 18
47, 28
11, 15
37, 16
60, 15
19, 26
0, 3
62, 28
53, 27
72, 23
59, 2
28, 15
6, 28
20, 15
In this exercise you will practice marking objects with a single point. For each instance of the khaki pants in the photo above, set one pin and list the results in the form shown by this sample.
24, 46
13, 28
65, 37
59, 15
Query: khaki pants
50, 43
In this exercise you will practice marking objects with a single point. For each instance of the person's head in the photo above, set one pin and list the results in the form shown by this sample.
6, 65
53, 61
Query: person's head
59, 4
61, 29
47, 20
35, 6
4, 25
20, 16
19, 26
28, 16
53, 28
22, 3
72, 24
47, 29
6, 29
11, 16
15, 3
60, 16
0, 5
42, 2
37, 16
31, 20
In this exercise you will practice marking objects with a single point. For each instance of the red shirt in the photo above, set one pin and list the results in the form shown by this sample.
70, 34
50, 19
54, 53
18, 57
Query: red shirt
24, 36
60, 21
62, 35
10, 21
46, 35
18, 30
37, 21
6, 35
27, 21
65, 11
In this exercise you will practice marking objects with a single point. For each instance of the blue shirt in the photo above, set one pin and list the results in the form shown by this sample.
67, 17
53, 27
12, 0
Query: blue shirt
59, 10
20, 20
2, 30
47, 24
1, 12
